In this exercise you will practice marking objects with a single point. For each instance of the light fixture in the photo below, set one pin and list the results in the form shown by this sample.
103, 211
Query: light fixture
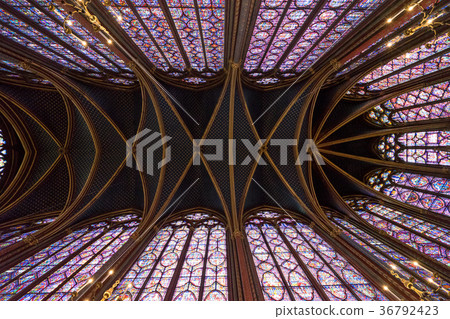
109, 41
390, 20
84, 43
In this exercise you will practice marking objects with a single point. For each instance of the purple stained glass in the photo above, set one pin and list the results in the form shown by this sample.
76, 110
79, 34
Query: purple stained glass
12, 235
22, 34
332, 286
432, 102
328, 14
101, 55
132, 26
383, 217
65, 265
427, 192
381, 45
428, 147
381, 77
200, 275
206, 28
387, 256
274, 251
425, 68
364, 290
268, 36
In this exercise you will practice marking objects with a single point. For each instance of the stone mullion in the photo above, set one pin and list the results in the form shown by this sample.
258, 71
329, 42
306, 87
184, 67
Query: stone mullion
60, 264
142, 289
392, 260
404, 249
350, 288
176, 274
55, 290
303, 266
277, 266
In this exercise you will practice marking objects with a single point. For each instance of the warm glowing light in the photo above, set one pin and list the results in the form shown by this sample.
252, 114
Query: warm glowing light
390, 20
84, 43
430, 280
410, 8
385, 288
129, 285
430, 21
91, 280
111, 272
393, 267
415, 263
109, 41
390, 44
119, 18
69, 22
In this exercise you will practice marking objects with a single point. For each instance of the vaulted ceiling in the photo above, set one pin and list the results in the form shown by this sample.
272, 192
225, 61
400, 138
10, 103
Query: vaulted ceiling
76, 90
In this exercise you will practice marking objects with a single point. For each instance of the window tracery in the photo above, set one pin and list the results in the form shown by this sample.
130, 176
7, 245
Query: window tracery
13, 234
186, 260
425, 147
64, 266
280, 24
388, 257
294, 263
427, 192
429, 103
427, 238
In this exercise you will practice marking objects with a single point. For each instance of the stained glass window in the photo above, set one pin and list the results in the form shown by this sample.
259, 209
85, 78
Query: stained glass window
282, 23
66, 265
294, 263
330, 25
188, 255
394, 36
13, 234
425, 237
430, 147
25, 35
411, 65
199, 25
3, 153
388, 257
432, 102
427, 192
